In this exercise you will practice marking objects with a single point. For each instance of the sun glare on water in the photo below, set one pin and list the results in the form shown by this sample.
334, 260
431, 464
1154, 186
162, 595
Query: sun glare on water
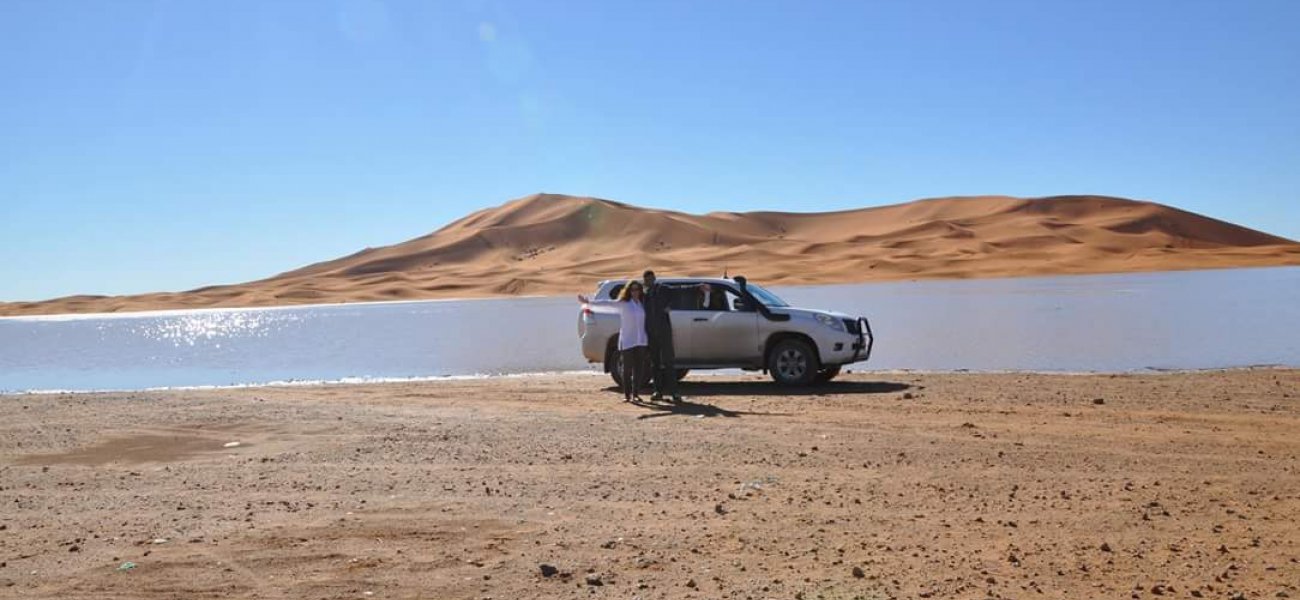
211, 328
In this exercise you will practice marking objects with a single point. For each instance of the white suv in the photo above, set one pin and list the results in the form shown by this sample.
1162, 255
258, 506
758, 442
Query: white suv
750, 328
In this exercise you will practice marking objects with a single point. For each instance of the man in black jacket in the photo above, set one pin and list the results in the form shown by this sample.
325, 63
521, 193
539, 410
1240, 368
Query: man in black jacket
659, 326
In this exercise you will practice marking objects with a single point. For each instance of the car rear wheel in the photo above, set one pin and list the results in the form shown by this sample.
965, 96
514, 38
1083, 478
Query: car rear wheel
793, 362
827, 374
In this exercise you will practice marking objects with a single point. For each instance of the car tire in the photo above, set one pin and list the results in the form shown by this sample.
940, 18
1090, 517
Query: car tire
827, 374
614, 358
617, 375
793, 362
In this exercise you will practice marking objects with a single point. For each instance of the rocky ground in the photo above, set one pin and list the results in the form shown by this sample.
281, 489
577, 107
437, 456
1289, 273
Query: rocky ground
879, 486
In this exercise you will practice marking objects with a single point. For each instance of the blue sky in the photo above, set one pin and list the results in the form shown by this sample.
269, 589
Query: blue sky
167, 145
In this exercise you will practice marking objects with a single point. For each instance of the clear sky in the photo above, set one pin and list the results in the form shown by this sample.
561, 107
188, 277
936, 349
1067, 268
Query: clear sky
172, 144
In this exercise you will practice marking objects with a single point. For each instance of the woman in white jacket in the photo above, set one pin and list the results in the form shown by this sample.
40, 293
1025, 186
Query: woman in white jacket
633, 342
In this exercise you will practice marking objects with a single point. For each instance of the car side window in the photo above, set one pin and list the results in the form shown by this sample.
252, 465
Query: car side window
680, 297
731, 297
615, 291
691, 298
686, 298
737, 303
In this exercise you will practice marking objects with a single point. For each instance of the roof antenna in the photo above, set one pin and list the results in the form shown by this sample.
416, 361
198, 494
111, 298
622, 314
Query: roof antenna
724, 271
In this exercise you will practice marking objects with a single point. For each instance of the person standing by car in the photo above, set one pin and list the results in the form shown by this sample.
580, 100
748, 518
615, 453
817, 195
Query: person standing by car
633, 341
660, 327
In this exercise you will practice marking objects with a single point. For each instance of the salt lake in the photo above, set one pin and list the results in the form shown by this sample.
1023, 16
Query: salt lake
1108, 323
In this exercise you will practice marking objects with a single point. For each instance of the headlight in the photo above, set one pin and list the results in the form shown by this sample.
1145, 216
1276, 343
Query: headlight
831, 322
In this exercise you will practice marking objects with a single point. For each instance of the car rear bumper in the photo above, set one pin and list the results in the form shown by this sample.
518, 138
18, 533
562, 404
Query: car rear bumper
592, 341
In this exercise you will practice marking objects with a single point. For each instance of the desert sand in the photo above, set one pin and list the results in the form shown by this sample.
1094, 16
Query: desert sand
885, 485
551, 244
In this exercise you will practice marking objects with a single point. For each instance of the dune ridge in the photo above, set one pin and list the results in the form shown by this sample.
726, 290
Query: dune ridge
552, 244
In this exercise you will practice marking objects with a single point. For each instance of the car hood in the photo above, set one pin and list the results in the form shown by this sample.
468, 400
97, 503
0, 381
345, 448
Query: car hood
811, 313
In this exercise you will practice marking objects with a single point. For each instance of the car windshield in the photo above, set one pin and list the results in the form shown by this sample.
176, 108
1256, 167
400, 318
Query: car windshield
766, 297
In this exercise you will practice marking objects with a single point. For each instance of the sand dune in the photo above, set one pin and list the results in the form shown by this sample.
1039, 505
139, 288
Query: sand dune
552, 244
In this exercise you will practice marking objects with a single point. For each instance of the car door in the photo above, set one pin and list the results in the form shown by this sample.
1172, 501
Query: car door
722, 336
680, 313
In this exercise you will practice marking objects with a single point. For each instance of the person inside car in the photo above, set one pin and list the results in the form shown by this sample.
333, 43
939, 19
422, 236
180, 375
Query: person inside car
708, 298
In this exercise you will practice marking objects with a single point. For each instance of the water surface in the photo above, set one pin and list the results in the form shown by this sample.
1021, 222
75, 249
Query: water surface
1180, 320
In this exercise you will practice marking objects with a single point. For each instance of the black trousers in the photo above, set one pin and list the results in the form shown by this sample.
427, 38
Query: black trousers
632, 374
663, 360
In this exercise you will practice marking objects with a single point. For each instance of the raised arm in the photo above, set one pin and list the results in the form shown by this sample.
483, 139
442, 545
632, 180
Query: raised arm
587, 300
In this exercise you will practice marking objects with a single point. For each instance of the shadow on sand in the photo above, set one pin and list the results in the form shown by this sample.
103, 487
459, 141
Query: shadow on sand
695, 409
768, 388
705, 389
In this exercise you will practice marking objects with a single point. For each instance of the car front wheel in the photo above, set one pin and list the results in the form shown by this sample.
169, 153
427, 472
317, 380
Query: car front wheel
793, 362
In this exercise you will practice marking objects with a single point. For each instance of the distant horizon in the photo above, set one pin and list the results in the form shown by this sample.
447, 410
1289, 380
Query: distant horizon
634, 205
702, 211
166, 146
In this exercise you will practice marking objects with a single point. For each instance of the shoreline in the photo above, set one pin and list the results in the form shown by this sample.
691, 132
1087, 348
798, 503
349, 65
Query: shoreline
8, 308
162, 312
697, 376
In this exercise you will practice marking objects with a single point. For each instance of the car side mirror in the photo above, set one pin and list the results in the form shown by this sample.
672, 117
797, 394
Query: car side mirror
741, 306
